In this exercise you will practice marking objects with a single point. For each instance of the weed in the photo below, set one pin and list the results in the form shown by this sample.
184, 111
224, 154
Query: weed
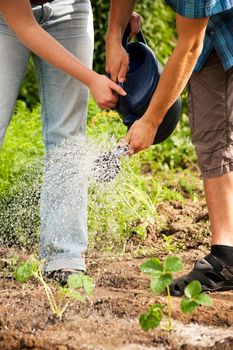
170, 245
22, 145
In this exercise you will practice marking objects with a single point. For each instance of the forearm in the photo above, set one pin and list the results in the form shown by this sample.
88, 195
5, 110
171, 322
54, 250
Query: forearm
172, 82
55, 54
177, 71
119, 16
19, 16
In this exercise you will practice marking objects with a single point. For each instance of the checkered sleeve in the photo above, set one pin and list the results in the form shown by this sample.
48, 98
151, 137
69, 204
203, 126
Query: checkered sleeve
200, 8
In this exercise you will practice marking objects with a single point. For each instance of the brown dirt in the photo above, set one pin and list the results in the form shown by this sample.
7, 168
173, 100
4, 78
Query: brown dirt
109, 319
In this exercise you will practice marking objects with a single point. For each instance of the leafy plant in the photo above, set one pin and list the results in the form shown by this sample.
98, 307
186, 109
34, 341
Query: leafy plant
22, 145
194, 297
81, 282
161, 278
152, 318
33, 268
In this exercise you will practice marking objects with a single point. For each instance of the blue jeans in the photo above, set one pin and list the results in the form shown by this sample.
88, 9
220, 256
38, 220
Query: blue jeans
64, 109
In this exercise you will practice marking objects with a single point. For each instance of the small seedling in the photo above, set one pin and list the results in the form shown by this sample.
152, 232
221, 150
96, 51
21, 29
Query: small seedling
161, 278
33, 268
170, 245
194, 297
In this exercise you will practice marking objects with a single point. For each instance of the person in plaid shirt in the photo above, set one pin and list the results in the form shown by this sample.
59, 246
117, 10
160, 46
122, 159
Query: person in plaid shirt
202, 60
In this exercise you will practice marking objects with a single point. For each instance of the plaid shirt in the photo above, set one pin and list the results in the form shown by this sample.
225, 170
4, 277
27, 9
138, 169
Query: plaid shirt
219, 32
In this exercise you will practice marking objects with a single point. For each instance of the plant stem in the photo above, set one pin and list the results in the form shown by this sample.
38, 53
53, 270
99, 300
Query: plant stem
64, 308
127, 202
49, 293
144, 196
169, 321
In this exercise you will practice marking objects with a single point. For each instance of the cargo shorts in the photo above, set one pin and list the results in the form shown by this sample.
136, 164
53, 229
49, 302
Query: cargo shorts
210, 102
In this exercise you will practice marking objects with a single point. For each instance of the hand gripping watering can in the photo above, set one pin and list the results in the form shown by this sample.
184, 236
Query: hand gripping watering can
141, 82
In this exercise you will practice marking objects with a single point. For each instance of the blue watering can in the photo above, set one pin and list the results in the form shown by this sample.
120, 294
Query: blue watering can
141, 82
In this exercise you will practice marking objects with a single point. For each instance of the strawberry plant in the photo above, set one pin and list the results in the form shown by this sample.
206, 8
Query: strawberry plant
161, 279
194, 297
79, 286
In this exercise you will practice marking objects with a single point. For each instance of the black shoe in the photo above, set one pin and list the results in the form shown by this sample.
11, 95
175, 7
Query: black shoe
210, 272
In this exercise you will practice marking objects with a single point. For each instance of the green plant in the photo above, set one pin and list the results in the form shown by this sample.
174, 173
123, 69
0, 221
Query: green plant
33, 268
152, 318
170, 245
81, 282
19, 209
161, 279
194, 297
119, 208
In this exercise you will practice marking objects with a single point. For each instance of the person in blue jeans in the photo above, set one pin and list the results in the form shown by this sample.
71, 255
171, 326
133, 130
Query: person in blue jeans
59, 35
203, 58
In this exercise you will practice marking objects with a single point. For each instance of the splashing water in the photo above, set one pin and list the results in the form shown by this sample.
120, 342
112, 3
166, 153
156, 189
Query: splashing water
68, 167
107, 166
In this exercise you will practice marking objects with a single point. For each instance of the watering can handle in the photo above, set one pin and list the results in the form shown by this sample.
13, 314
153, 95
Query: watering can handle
139, 36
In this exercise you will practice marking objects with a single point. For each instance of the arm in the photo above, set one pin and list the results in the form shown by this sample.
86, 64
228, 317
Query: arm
18, 15
119, 16
116, 57
174, 78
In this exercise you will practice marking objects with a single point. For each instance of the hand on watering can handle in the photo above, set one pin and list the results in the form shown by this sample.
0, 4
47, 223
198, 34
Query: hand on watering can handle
117, 60
105, 91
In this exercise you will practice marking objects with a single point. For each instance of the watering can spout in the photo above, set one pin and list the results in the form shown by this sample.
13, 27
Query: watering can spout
122, 150
107, 165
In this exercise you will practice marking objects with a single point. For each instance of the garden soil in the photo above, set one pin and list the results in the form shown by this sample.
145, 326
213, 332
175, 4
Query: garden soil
109, 319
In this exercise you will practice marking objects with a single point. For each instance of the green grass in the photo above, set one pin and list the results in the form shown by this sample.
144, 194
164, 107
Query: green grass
116, 211
22, 145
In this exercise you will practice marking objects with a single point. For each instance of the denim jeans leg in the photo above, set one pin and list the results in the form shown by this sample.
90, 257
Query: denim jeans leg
14, 58
64, 110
